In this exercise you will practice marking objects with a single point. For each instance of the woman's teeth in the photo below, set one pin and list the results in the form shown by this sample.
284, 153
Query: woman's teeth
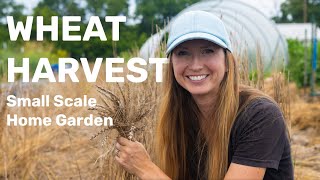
197, 78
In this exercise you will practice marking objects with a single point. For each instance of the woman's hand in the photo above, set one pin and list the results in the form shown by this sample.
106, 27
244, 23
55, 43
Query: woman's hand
133, 157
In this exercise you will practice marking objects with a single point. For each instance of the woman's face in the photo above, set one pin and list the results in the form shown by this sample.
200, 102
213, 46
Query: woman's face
199, 66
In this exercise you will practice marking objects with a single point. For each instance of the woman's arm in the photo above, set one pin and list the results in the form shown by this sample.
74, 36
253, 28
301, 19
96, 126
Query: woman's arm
133, 157
238, 171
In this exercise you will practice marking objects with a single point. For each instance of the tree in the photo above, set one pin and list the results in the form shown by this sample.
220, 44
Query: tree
293, 11
158, 11
60, 7
8, 8
103, 8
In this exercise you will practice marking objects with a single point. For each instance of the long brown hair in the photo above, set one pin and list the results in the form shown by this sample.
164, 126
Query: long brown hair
179, 113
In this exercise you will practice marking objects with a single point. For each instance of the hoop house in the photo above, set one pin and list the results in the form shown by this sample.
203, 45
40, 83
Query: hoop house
249, 29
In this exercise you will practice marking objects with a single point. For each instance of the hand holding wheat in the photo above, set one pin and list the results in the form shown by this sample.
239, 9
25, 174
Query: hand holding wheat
128, 111
132, 156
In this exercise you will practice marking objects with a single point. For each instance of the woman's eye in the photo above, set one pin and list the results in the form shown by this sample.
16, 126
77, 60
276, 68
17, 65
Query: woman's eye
207, 51
182, 53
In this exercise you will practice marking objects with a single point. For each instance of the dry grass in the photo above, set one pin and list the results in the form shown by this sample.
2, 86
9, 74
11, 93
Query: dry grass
45, 152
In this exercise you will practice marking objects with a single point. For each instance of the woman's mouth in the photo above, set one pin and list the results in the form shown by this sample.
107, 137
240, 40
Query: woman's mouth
198, 77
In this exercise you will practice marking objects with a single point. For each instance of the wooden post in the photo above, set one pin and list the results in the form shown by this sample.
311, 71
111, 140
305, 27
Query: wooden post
305, 9
305, 76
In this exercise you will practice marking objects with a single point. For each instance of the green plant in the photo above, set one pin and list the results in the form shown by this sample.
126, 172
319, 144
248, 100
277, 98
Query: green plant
296, 62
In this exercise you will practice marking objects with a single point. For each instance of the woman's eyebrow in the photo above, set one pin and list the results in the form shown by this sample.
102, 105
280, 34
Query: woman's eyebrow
182, 47
208, 46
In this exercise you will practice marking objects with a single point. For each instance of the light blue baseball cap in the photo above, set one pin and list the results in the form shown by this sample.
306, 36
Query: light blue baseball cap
197, 25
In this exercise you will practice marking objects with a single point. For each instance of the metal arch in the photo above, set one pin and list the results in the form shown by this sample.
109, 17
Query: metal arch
267, 54
271, 23
151, 43
273, 54
252, 22
218, 2
200, 4
229, 19
251, 33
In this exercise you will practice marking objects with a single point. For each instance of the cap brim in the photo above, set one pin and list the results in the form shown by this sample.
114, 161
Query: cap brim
196, 35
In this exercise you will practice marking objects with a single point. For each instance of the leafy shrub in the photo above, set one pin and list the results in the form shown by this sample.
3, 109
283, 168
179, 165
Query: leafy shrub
296, 62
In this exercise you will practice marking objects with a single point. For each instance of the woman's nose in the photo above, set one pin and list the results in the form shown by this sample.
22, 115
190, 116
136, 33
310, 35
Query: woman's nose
196, 63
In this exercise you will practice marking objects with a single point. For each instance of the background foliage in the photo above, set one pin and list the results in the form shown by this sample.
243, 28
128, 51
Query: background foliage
296, 63
293, 11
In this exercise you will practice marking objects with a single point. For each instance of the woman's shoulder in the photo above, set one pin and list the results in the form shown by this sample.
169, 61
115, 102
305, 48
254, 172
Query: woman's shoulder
260, 105
255, 102
261, 117
259, 138
259, 113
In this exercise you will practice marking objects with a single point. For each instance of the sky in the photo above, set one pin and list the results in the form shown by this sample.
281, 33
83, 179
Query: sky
269, 7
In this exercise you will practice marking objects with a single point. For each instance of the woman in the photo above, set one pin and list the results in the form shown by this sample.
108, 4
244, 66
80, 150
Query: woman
210, 127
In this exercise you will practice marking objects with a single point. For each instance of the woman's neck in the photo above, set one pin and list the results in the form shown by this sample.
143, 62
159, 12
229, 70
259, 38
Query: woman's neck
205, 103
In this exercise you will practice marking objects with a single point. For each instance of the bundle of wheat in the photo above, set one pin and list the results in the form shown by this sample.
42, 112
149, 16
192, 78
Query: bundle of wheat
128, 105
126, 114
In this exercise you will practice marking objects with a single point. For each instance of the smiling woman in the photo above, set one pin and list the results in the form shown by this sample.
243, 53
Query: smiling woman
210, 126
199, 66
